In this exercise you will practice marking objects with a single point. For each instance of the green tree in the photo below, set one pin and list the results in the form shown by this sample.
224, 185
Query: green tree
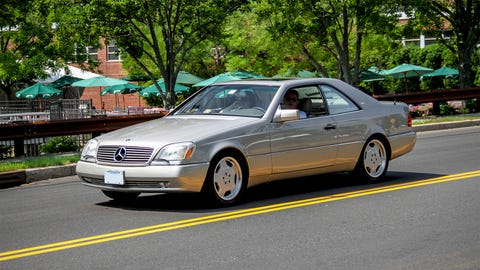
252, 48
34, 36
158, 34
339, 27
463, 16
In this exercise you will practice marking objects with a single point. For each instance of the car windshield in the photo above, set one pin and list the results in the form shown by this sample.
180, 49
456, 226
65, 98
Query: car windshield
239, 100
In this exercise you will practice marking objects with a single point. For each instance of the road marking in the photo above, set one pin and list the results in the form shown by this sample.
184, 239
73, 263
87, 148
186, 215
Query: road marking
102, 238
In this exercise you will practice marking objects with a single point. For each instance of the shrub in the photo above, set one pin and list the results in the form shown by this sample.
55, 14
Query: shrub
472, 105
59, 145
5, 151
446, 109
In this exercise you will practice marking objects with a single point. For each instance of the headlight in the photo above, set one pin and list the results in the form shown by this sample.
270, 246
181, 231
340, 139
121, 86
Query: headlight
176, 152
89, 152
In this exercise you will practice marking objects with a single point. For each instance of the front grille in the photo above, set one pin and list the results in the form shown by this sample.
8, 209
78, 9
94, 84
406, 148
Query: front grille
128, 184
134, 154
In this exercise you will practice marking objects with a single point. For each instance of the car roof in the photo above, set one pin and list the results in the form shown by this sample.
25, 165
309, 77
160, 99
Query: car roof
276, 81
361, 98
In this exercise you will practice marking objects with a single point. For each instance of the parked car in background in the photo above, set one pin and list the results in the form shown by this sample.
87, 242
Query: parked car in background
231, 136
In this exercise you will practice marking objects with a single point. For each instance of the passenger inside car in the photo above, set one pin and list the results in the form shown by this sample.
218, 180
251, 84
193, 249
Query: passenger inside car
291, 101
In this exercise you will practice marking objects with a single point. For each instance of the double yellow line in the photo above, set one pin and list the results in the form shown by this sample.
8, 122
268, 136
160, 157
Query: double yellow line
102, 238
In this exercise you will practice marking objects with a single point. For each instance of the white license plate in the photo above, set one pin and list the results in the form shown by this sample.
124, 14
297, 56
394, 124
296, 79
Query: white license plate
114, 177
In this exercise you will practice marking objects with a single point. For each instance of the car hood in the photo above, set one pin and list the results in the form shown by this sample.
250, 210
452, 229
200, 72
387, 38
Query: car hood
171, 129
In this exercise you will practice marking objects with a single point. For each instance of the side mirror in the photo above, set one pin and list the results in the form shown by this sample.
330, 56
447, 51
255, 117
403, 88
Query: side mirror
283, 115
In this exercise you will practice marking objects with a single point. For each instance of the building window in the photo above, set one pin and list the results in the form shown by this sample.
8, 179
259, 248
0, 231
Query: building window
92, 54
113, 52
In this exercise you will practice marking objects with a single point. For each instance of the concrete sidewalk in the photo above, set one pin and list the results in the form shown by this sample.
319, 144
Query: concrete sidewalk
9, 179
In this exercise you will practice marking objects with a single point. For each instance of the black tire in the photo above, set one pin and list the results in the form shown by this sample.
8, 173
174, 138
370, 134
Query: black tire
373, 162
226, 179
121, 196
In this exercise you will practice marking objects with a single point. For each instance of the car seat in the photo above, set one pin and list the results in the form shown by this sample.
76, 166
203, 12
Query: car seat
306, 106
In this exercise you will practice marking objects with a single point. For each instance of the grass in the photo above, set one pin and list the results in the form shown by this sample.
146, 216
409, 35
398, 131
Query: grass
37, 162
421, 121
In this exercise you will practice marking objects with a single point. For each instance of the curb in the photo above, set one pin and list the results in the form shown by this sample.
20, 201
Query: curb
20, 177
38, 174
446, 125
12, 178
8, 179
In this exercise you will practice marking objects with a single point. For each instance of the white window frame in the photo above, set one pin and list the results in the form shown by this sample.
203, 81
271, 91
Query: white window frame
113, 52
92, 53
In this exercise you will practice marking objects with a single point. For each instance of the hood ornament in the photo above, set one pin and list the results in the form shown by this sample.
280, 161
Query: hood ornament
120, 154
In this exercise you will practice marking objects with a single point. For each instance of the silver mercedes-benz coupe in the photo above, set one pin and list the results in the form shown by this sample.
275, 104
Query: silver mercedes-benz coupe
234, 135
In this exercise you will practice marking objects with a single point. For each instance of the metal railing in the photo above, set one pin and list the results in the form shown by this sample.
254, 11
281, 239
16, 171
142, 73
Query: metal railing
24, 138
32, 147
22, 133
43, 109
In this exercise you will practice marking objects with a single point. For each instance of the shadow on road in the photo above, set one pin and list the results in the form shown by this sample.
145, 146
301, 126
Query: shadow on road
265, 194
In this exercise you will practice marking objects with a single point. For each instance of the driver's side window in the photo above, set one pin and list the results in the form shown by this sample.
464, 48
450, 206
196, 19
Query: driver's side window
310, 101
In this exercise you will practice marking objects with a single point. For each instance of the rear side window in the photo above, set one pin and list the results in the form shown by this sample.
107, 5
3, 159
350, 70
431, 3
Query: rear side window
337, 102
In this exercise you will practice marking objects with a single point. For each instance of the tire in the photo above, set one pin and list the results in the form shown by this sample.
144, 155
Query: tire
226, 179
120, 196
373, 162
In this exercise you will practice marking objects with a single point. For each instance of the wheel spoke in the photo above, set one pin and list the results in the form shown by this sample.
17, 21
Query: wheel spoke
375, 159
227, 179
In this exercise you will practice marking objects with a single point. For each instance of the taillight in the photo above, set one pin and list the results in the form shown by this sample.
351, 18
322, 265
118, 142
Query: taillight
410, 121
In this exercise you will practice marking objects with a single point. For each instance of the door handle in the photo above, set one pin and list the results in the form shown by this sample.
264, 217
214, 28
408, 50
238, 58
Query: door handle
330, 126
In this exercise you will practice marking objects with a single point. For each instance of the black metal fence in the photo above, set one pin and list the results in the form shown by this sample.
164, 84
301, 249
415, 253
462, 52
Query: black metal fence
43, 109
32, 146
25, 138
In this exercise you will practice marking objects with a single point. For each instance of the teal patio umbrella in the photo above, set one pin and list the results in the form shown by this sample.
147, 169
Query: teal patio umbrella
184, 77
307, 74
441, 72
245, 74
99, 81
223, 77
368, 75
300, 74
126, 88
38, 90
371, 76
405, 71
153, 91
64, 81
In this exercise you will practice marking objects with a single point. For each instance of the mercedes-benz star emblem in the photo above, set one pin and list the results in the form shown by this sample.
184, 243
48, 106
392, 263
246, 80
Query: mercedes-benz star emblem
120, 154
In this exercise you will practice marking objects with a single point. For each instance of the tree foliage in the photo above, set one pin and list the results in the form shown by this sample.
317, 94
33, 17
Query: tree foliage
161, 37
252, 48
35, 36
337, 27
158, 34
464, 18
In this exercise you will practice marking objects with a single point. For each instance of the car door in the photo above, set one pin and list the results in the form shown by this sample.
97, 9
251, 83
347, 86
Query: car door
351, 125
304, 143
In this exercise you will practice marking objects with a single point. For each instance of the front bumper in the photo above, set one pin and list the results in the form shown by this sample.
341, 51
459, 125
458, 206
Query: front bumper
148, 179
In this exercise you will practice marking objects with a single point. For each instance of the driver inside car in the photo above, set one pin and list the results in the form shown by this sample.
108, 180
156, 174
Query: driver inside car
243, 100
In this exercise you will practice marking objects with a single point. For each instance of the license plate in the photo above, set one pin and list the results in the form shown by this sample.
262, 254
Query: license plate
114, 177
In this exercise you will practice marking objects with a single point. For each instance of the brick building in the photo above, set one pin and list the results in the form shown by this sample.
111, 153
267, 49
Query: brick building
110, 66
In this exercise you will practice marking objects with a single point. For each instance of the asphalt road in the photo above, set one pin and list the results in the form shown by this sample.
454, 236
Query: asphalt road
426, 215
